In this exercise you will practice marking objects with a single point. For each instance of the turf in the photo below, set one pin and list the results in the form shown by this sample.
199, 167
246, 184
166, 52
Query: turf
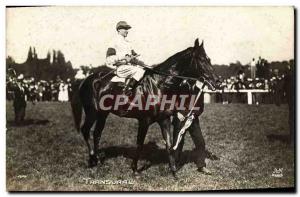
48, 154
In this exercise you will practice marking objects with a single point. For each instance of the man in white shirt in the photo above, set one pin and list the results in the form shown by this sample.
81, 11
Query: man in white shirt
253, 68
121, 55
79, 75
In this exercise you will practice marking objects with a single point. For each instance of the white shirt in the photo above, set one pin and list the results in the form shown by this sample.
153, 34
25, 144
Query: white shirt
253, 63
122, 47
79, 75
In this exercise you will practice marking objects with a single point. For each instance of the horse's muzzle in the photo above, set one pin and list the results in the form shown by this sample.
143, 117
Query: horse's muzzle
214, 85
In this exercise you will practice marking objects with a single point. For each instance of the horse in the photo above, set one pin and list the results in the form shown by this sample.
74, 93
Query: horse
164, 79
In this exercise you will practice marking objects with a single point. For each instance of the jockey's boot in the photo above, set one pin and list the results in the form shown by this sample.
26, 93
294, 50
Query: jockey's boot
129, 86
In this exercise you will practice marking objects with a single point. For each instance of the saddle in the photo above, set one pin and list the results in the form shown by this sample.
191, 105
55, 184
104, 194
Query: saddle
103, 84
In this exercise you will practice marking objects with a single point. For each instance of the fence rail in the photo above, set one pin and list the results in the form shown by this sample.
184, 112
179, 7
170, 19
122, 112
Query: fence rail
249, 92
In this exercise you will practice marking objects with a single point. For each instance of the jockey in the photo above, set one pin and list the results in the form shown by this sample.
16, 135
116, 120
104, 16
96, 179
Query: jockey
122, 57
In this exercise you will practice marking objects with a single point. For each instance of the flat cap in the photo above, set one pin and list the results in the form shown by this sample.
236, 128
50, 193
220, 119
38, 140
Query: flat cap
122, 25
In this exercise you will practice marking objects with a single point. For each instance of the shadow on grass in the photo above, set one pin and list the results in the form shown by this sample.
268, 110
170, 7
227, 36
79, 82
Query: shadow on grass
153, 154
282, 138
11, 123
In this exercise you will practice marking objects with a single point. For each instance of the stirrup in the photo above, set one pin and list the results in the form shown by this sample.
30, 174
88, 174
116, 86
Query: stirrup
128, 91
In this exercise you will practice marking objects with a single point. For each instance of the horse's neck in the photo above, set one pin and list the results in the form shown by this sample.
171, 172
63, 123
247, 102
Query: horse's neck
172, 66
166, 83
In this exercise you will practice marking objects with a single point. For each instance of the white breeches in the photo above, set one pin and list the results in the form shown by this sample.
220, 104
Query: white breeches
129, 71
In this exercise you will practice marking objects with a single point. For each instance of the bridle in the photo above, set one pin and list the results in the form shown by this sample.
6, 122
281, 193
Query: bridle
201, 79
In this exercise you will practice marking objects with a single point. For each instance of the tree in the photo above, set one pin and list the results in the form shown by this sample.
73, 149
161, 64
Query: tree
60, 58
9, 62
43, 69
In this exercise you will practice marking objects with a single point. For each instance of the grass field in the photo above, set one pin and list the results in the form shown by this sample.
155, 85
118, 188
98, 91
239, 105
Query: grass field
48, 153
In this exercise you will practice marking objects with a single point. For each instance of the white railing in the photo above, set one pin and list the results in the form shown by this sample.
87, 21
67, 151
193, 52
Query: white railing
250, 92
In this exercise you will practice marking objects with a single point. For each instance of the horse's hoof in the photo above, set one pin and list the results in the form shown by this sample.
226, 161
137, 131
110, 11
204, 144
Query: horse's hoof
179, 165
93, 161
175, 176
92, 164
136, 174
173, 168
101, 157
204, 170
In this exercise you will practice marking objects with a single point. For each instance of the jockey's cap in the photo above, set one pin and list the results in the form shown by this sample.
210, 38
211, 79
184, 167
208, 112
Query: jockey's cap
122, 25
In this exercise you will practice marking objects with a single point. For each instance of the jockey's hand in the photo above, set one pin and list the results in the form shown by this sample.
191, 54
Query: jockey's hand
123, 61
128, 58
120, 62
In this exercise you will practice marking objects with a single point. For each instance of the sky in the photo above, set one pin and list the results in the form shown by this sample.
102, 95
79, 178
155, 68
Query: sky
83, 34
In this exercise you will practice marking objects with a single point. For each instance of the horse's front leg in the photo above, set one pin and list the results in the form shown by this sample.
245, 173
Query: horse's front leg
85, 130
165, 126
142, 131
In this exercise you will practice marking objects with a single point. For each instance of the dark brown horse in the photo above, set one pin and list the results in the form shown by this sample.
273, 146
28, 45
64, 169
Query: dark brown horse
192, 63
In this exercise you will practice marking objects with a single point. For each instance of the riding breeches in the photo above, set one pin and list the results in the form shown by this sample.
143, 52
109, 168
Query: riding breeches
130, 71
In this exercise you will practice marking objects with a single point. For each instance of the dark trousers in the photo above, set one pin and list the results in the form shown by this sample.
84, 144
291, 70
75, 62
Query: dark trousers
19, 114
197, 137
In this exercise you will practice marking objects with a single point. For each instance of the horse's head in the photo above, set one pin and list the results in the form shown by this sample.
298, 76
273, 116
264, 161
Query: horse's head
199, 66
191, 62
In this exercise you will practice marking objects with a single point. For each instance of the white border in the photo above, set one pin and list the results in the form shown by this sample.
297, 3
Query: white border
153, 2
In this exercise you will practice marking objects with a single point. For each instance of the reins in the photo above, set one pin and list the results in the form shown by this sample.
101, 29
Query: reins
164, 74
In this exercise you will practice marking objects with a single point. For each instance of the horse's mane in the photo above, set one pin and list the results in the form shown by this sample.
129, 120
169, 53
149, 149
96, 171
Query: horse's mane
171, 60
149, 82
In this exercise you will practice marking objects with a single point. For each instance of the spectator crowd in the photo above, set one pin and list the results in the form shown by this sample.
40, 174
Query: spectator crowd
41, 90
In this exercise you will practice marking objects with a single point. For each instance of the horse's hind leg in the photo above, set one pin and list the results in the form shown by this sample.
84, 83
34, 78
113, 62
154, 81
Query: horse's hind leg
101, 119
142, 131
85, 129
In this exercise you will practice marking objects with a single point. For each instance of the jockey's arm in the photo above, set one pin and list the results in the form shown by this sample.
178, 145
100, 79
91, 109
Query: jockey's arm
113, 60
133, 53
110, 61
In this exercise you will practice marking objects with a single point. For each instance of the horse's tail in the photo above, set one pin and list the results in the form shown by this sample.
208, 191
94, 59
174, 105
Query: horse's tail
76, 104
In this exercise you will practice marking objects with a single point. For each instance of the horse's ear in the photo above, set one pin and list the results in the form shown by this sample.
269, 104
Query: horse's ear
196, 43
202, 44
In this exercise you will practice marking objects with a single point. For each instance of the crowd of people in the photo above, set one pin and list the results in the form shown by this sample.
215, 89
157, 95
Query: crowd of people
41, 90
230, 90
240, 82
